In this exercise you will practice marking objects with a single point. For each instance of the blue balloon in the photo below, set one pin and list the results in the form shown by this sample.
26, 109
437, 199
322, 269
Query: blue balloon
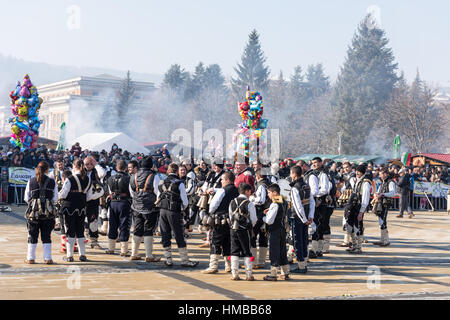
14, 142
27, 141
17, 91
32, 111
263, 123
33, 119
22, 125
35, 127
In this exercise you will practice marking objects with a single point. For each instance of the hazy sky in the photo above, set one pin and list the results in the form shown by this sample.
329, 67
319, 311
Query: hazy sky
149, 36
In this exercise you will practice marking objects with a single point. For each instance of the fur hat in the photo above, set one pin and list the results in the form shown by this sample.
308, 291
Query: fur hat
361, 168
147, 163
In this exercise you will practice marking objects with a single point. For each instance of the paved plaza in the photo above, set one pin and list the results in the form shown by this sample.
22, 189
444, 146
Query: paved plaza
415, 266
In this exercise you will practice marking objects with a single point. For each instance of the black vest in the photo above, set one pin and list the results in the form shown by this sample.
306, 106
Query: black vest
231, 192
265, 183
76, 199
119, 187
34, 188
170, 198
304, 191
143, 201
41, 208
213, 180
384, 188
280, 218
347, 177
243, 220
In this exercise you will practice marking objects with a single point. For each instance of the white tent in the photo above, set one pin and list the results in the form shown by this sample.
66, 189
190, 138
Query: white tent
104, 141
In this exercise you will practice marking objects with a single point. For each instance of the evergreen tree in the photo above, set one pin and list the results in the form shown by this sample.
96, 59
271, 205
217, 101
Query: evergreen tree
364, 85
175, 81
252, 70
195, 85
213, 77
317, 82
278, 93
296, 86
125, 101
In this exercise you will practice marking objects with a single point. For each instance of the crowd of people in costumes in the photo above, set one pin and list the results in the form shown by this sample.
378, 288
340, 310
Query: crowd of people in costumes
243, 212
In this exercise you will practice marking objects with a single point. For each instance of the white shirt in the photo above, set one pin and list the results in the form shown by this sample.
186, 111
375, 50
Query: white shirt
190, 178
27, 195
365, 195
298, 207
391, 192
260, 196
313, 183
270, 216
183, 195
216, 200
324, 185
251, 209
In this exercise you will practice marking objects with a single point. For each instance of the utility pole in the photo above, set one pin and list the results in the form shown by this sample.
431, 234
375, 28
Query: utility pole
340, 142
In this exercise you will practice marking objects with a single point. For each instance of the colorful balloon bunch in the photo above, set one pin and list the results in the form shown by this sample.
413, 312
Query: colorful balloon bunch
25, 105
252, 128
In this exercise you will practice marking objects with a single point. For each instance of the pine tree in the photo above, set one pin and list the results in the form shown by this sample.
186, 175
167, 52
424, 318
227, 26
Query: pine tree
195, 85
364, 85
317, 82
175, 81
125, 101
213, 78
296, 85
252, 70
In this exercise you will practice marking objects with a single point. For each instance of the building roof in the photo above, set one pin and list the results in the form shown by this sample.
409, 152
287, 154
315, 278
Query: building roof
343, 157
444, 157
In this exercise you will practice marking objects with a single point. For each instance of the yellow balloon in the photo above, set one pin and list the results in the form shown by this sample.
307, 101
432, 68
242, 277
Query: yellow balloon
23, 111
15, 129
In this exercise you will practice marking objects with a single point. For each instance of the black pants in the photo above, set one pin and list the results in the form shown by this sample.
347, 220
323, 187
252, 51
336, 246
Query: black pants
353, 222
220, 240
171, 221
382, 219
240, 243
405, 204
45, 227
92, 208
320, 215
277, 245
119, 220
259, 235
145, 224
61, 222
325, 226
74, 224
300, 239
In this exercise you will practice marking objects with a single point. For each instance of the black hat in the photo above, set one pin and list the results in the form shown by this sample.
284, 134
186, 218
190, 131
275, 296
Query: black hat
147, 163
361, 168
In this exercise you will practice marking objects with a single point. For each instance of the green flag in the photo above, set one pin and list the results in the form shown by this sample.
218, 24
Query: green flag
397, 145
62, 138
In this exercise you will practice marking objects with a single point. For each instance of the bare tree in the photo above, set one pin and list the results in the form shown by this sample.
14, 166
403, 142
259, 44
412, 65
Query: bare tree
414, 114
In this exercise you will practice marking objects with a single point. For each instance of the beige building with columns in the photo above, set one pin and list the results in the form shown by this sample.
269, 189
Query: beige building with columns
95, 91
